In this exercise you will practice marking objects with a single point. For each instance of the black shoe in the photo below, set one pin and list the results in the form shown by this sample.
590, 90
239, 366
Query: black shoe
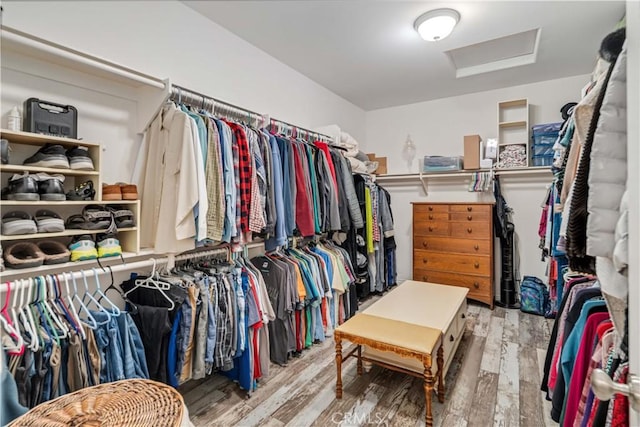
4, 151
51, 188
83, 192
49, 156
21, 187
79, 159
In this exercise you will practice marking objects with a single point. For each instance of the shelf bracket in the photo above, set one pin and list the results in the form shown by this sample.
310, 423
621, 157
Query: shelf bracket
425, 186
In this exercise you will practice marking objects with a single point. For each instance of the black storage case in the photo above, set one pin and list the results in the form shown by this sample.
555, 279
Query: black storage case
50, 118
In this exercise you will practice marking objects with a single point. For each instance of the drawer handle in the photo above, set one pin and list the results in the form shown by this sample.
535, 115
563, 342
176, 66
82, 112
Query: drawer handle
451, 338
476, 247
476, 285
430, 228
430, 216
476, 264
469, 208
425, 245
469, 230
424, 279
424, 260
469, 217
464, 316
430, 208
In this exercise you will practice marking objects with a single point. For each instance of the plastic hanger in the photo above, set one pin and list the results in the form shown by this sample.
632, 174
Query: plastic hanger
47, 303
50, 322
89, 295
12, 330
151, 283
30, 318
115, 311
90, 320
58, 305
21, 319
69, 313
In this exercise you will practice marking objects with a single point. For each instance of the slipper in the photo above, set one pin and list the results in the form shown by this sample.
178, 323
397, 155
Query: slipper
18, 222
49, 221
23, 255
123, 217
79, 222
54, 252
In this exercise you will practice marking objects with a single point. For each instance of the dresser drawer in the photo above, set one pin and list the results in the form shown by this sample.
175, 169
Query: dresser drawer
461, 317
471, 208
471, 230
430, 208
431, 216
470, 264
445, 244
430, 228
478, 286
469, 216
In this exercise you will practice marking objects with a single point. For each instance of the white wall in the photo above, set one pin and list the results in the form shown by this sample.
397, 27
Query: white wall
162, 39
437, 128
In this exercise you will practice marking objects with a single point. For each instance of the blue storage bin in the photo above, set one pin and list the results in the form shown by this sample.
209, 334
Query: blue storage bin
546, 133
544, 160
442, 163
542, 149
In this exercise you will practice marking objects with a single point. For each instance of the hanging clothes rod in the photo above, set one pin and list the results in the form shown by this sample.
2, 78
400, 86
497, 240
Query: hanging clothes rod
195, 99
295, 128
138, 265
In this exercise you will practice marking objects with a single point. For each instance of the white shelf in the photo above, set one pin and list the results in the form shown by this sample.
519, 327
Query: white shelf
65, 233
35, 169
516, 124
16, 273
30, 138
67, 202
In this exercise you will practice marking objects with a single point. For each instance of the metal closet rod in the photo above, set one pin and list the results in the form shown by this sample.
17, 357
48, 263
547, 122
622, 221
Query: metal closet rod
196, 99
138, 265
299, 129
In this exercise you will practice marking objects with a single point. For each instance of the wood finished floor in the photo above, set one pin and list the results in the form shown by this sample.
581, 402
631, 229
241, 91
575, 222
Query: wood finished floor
494, 380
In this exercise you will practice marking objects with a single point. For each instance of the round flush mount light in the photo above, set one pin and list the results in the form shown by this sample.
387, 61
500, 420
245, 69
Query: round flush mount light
436, 24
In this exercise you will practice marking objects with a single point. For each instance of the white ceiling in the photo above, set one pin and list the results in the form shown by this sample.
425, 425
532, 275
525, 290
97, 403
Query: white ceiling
368, 53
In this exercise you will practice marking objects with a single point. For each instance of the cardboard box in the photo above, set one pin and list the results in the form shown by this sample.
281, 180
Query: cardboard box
472, 151
382, 163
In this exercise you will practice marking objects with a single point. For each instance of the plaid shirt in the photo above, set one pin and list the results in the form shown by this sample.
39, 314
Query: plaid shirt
256, 212
242, 166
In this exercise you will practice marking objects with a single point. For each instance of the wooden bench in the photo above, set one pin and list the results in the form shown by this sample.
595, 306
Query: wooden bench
403, 330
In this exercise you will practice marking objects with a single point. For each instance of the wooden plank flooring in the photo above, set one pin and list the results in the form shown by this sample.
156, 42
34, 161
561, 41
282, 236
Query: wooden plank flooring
494, 379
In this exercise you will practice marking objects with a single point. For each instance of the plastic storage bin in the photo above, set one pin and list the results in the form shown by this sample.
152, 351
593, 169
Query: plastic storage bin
542, 160
545, 134
442, 163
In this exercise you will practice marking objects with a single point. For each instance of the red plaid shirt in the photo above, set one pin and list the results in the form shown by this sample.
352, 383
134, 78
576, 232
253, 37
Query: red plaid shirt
244, 169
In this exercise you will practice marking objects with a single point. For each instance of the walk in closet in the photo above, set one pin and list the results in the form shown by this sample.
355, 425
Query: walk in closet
313, 213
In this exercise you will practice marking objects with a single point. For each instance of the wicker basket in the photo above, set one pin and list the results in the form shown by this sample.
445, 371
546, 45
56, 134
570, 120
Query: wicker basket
134, 403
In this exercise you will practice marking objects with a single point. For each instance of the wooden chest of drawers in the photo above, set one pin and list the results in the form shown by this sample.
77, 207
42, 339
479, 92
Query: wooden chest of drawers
453, 245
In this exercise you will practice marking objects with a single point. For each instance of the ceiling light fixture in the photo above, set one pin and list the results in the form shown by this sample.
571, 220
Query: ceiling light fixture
436, 24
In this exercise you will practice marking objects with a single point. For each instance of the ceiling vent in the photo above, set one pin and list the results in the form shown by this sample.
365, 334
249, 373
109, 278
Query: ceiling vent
498, 54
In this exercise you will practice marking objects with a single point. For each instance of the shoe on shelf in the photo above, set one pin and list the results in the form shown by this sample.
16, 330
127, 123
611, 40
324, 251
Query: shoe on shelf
79, 159
54, 252
83, 192
129, 191
122, 216
51, 187
49, 156
111, 192
18, 222
4, 151
23, 255
48, 221
108, 245
23, 188
83, 248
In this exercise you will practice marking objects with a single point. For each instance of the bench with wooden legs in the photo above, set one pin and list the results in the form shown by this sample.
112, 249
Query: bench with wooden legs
404, 339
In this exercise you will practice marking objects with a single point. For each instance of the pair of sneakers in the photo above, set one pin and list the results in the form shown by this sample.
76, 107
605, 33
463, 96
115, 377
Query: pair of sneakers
55, 156
105, 245
34, 187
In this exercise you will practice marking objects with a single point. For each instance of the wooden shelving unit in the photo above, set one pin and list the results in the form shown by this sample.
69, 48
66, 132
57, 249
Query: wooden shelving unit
513, 126
25, 144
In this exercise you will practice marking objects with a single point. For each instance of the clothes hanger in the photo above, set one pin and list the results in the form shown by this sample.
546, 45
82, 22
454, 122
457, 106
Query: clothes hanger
90, 320
22, 319
59, 304
115, 311
88, 294
151, 283
50, 322
18, 346
46, 302
28, 309
112, 285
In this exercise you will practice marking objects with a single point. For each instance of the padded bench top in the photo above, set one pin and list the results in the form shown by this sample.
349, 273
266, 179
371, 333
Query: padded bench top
421, 339
420, 303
